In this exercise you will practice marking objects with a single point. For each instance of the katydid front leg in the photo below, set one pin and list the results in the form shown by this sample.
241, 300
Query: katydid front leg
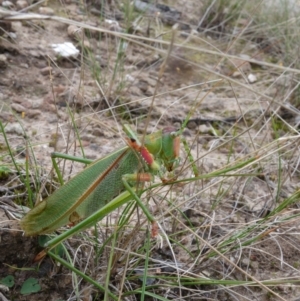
134, 143
164, 146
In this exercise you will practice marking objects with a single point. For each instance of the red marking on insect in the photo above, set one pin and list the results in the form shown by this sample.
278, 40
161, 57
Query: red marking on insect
146, 155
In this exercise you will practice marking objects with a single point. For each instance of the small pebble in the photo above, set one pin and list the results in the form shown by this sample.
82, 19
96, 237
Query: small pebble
112, 25
7, 4
18, 108
3, 62
97, 132
204, 129
87, 44
46, 11
236, 74
192, 125
12, 35
187, 133
46, 71
24, 65
66, 50
14, 128
33, 113
74, 32
252, 78
7, 117
243, 66
284, 80
21, 4
246, 262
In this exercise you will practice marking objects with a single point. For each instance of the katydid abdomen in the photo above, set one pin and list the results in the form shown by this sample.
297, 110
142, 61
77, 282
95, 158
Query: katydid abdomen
84, 194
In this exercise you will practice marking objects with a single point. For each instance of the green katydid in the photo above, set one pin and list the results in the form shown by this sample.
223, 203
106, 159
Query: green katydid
104, 180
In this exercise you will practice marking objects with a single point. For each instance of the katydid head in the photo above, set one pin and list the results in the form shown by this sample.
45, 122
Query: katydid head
164, 145
159, 148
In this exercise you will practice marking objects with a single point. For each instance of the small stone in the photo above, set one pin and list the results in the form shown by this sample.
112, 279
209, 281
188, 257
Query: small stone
272, 91
18, 108
191, 125
129, 78
46, 71
151, 82
14, 128
255, 264
246, 262
62, 115
74, 32
112, 25
241, 65
3, 62
24, 65
16, 26
177, 125
82, 143
236, 74
252, 78
33, 113
97, 132
46, 11
12, 35
87, 44
135, 91
35, 104
8, 4
284, 80
87, 138
21, 4
7, 117
203, 141
66, 50
187, 133
230, 93
204, 129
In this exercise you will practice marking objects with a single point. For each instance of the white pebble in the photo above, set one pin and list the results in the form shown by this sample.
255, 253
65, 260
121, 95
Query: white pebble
252, 78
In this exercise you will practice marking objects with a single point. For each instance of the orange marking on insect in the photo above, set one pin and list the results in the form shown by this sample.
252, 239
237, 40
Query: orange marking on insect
133, 144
